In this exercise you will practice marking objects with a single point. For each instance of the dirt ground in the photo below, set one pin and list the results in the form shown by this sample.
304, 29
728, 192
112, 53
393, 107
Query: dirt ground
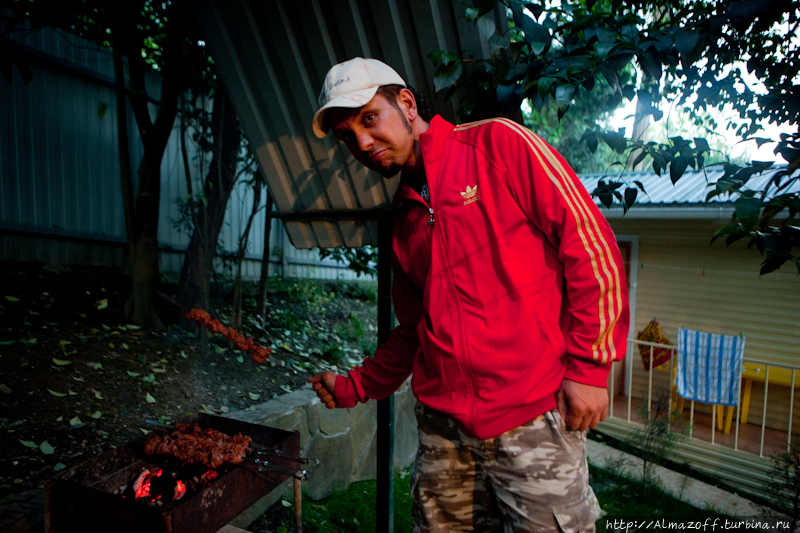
77, 379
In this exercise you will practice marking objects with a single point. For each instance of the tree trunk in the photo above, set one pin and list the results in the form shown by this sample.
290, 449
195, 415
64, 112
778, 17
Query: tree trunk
236, 319
263, 282
142, 212
198, 264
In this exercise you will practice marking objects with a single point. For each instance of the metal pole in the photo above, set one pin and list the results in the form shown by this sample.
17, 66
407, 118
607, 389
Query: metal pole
385, 495
298, 507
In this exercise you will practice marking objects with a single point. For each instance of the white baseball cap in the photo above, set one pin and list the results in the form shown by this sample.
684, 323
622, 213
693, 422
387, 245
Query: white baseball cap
352, 84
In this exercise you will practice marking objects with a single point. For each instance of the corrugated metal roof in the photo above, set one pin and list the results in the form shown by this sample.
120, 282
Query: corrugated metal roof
691, 188
273, 57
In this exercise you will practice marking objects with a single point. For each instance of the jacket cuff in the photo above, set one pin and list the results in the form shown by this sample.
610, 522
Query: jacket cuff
587, 372
348, 390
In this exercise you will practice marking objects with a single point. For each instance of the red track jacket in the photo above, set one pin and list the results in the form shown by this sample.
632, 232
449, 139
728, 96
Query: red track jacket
506, 283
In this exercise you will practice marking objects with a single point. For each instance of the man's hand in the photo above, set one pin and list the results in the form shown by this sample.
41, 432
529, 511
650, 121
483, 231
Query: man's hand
581, 406
325, 384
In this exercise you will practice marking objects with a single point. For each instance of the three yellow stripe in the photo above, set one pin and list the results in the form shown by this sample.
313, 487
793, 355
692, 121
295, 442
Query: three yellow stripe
603, 349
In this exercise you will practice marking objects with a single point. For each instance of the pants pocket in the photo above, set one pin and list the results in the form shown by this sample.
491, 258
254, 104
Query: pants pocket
579, 516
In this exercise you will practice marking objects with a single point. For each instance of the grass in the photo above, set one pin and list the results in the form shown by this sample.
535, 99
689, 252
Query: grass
621, 496
353, 510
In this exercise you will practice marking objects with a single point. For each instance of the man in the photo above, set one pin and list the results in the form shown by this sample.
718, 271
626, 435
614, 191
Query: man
509, 291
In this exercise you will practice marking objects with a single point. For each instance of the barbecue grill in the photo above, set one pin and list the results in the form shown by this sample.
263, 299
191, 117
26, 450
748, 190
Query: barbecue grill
87, 497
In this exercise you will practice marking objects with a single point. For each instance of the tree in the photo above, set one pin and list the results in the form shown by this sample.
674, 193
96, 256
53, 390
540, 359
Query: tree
145, 35
219, 134
692, 51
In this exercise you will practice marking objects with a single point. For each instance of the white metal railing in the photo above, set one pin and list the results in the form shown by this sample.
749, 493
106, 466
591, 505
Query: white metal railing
634, 343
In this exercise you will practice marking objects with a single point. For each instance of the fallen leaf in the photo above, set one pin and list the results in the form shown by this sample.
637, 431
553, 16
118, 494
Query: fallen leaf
287, 389
75, 422
33, 313
133, 374
240, 359
28, 443
4, 388
286, 503
78, 379
95, 366
96, 415
72, 393
183, 354
131, 326
59, 467
9, 343
54, 393
46, 448
64, 343
160, 370
101, 304
125, 346
61, 362
59, 419
12, 299
149, 398
149, 379
98, 395
254, 396
143, 358
144, 431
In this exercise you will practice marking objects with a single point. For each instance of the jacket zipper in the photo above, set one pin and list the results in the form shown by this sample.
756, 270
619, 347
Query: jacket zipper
459, 345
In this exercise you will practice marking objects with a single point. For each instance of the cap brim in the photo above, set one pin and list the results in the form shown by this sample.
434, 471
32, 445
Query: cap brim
351, 100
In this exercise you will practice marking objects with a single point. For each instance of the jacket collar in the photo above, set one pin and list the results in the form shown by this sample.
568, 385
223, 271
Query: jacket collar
432, 140
431, 143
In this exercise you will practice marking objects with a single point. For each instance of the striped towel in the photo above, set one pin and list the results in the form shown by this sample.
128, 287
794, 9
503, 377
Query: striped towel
709, 367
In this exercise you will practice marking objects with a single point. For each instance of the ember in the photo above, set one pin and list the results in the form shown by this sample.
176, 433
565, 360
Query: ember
168, 484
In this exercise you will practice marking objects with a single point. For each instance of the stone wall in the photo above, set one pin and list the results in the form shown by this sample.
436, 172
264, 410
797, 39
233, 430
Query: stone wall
344, 441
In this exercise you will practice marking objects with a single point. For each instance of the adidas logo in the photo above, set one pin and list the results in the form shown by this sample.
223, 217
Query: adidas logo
470, 195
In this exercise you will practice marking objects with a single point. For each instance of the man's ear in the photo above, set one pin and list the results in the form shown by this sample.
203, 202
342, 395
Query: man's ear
408, 103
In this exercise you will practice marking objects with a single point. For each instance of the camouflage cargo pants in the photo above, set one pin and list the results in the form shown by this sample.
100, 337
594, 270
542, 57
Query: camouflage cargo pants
532, 478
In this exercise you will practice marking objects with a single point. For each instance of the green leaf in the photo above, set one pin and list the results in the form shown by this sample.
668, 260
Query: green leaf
59, 467
133, 374
96, 415
253, 396
12, 298
142, 358
748, 211
701, 144
240, 359
54, 393
28, 443
486, 28
101, 110
564, 94
76, 378
61, 362
447, 75
46, 448
630, 196
678, 167
101, 304
150, 398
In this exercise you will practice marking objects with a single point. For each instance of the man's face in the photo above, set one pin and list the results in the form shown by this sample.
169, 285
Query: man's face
379, 135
